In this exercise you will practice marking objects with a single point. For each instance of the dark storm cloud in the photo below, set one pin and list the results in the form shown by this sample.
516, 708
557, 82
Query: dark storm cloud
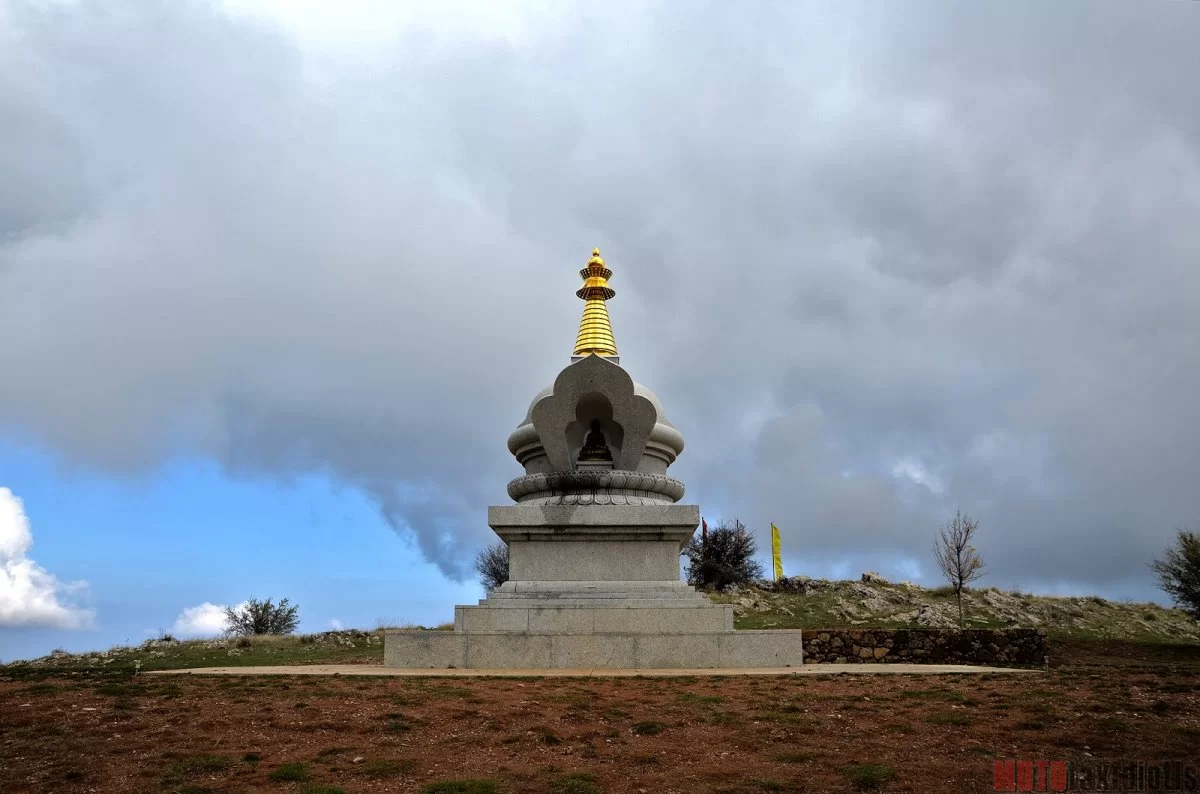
848, 241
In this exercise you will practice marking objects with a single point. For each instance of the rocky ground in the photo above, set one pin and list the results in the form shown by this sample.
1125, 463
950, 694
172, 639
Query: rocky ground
94, 723
83, 732
801, 602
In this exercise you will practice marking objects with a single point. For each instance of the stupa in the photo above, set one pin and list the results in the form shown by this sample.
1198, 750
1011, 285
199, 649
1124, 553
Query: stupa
594, 537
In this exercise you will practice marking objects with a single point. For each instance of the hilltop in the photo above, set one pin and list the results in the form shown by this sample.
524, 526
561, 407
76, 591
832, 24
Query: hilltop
801, 602
797, 602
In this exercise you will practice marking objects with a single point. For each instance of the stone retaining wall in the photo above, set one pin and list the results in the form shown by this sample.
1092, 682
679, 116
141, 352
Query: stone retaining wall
932, 646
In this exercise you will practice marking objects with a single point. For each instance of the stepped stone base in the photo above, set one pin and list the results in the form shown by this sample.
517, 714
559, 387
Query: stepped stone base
595, 607
609, 650
593, 587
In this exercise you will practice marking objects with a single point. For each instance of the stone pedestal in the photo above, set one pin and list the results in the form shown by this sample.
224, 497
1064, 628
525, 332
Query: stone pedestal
594, 586
594, 541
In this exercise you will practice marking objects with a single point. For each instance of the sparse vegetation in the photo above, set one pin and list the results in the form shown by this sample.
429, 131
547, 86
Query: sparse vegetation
262, 617
545, 735
492, 565
948, 718
184, 768
462, 787
575, 783
724, 558
818, 603
295, 772
118, 665
396, 723
1179, 572
869, 776
649, 728
956, 556
387, 767
1110, 697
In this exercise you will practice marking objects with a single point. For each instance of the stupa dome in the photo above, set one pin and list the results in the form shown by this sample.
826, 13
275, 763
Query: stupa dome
594, 409
663, 445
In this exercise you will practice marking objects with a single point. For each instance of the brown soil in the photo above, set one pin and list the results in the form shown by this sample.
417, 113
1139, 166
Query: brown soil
181, 734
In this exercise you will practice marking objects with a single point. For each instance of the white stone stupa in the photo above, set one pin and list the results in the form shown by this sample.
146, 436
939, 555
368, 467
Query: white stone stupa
594, 538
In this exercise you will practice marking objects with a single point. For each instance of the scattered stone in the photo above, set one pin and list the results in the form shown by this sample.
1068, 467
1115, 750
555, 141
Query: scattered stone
935, 645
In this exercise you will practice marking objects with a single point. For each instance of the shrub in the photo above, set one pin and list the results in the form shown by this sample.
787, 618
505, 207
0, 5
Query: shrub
262, 617
492, 565
1179, 572
725, 558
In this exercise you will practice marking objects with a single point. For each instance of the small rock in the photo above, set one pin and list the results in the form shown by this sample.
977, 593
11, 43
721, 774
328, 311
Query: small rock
358, 759
873, 578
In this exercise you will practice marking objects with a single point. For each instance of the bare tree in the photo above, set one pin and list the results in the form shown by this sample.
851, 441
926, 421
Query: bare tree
956, 556
492, 565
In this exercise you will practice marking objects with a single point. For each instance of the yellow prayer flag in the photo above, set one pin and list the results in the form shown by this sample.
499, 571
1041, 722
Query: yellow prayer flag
775, 558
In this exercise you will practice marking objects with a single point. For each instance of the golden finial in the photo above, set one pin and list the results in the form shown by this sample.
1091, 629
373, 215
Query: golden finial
595, 330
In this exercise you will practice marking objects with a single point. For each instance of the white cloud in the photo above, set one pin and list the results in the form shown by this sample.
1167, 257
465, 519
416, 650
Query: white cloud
336, 625
915, 471
201, 621
29, 594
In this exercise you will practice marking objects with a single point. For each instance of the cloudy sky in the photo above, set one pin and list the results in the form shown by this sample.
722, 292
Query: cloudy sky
277, 279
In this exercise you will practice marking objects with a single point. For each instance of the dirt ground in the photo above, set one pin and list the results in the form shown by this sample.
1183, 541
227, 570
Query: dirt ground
574, 736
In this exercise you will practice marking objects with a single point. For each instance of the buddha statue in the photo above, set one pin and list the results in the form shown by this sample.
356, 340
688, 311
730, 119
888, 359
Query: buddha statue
594, 447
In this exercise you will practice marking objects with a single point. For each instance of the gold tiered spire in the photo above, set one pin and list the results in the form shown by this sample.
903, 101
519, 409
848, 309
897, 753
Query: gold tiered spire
595, 331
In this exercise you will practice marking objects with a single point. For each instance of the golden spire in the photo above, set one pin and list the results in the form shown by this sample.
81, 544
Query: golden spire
595, 331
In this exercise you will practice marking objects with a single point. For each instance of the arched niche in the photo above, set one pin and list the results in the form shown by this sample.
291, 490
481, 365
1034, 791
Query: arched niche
565, 405
594, 407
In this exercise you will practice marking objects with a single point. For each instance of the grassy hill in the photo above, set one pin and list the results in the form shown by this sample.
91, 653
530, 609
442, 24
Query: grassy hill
819, 603
331, 647
792, 603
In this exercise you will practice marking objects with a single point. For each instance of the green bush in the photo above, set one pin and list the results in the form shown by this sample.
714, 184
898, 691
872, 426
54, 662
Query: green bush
726, 557
262, 617
1179, 572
